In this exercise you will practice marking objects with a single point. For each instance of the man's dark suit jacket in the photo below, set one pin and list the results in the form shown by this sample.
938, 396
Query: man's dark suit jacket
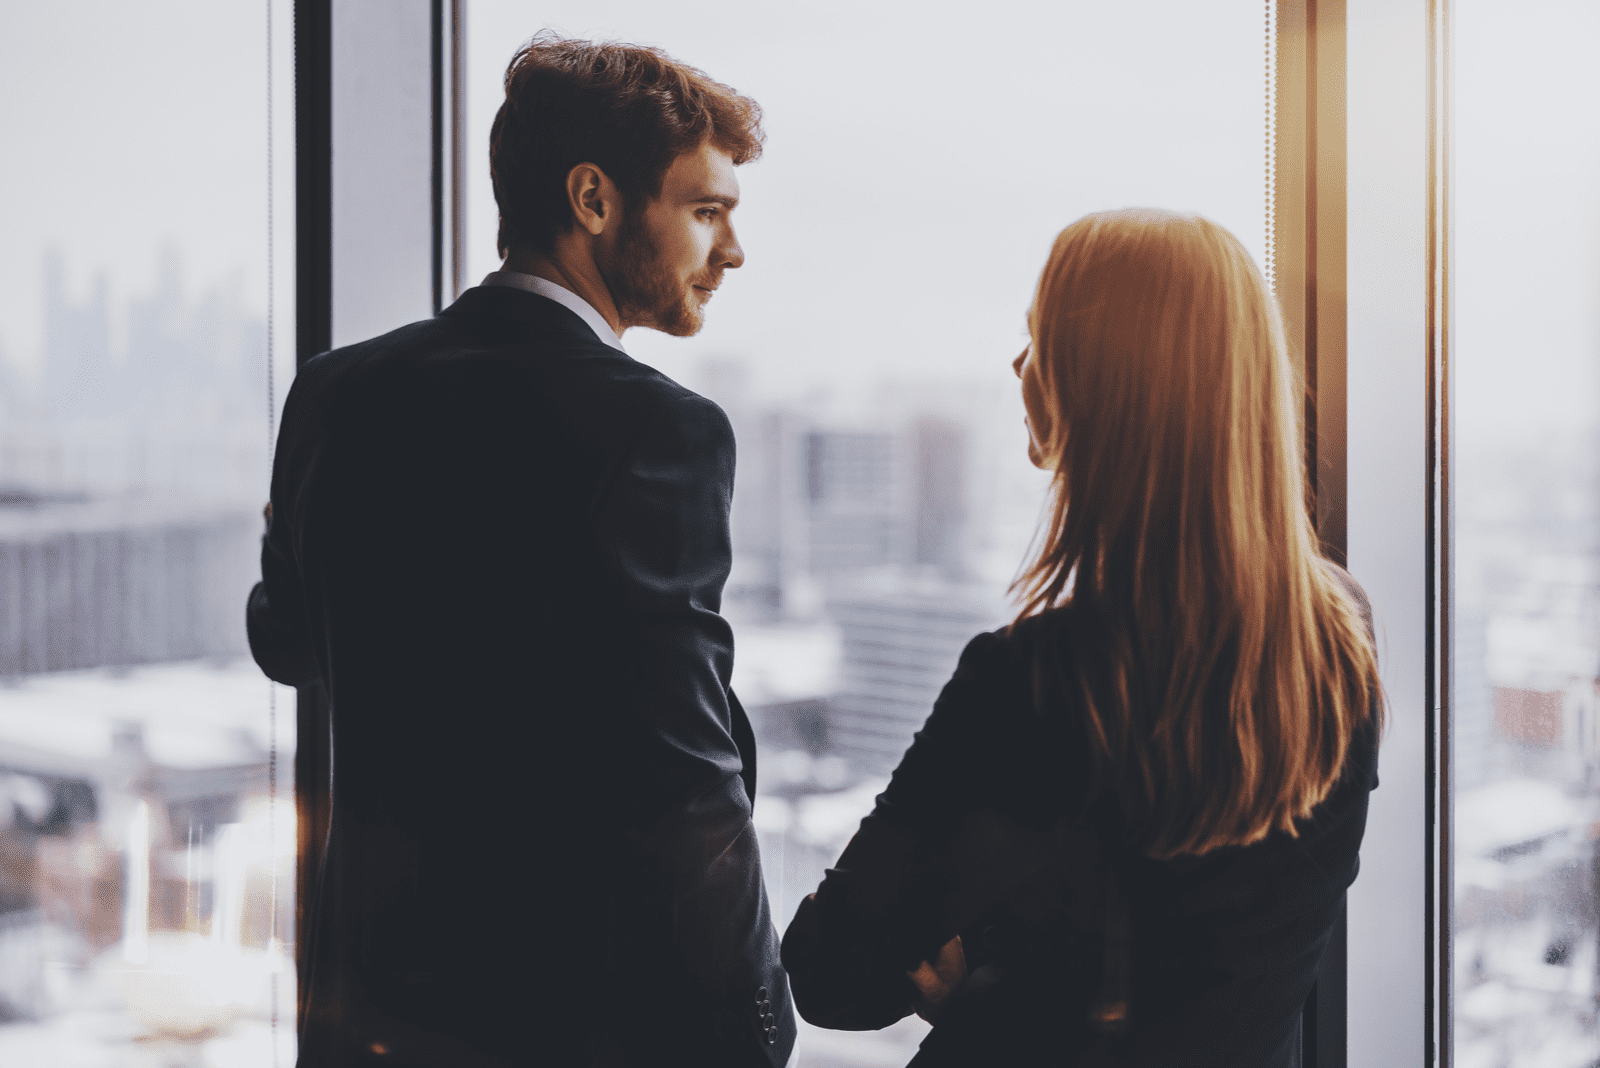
501, 545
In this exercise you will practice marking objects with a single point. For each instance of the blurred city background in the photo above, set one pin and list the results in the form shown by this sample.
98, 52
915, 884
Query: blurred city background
1525, 638
147, 825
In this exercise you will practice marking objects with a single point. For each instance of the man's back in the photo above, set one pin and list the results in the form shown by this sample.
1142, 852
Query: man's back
502, 544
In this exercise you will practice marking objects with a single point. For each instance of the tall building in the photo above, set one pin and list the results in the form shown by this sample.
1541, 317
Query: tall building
900, 647
87, 584
865, 527
80, 381
939, 480
858, 500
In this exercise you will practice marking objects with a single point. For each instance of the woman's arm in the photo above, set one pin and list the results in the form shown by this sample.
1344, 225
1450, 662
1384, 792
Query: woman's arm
883, 911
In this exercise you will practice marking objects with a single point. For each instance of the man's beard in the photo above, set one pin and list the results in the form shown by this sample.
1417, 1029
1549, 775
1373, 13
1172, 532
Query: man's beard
644, 290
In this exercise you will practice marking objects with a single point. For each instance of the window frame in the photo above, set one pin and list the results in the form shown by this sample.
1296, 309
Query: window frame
1396, 420
1309, 269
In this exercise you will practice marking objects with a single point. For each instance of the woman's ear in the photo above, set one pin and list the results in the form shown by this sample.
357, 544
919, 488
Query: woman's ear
1041, 410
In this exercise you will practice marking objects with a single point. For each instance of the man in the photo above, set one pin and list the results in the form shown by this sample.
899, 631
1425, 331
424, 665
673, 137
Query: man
501, 544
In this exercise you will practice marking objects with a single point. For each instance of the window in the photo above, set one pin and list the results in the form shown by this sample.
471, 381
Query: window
917, 168
1525, 437
147, 835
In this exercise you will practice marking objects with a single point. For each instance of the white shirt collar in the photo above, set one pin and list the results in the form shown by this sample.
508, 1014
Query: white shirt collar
562, 296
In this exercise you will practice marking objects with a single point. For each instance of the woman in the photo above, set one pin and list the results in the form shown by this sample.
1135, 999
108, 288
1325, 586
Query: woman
1125, 832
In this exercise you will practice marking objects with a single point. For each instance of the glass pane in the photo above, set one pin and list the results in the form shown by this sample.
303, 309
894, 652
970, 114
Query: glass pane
1526, 636
915, 174
146, 815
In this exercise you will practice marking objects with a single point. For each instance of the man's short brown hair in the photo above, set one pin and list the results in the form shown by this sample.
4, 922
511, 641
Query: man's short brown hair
627, 109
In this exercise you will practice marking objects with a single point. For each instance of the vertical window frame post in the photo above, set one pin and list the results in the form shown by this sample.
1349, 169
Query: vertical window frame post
313, 116
1310, 264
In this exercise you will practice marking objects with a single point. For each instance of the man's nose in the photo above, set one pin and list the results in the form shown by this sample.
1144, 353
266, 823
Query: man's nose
729, 252
1016, 364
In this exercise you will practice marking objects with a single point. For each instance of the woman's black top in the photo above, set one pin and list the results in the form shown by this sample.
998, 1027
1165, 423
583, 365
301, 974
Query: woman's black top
991, 829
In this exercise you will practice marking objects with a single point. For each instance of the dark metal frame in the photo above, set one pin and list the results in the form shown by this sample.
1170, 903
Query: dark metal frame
436, 101
449, 121
1310, 260
1439, 542
313, 142
456, 205
1309, 230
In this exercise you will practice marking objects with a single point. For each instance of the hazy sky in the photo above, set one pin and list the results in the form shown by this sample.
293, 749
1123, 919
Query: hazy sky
921, 158
917, 168
130, 128
1527, 218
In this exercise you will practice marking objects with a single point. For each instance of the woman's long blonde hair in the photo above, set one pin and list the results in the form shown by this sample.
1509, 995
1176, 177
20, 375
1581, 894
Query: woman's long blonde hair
1222, 667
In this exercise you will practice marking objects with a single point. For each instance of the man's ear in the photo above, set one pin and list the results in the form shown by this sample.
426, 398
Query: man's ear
593, 198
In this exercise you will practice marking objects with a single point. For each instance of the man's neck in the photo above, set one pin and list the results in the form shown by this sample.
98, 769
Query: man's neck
574, 270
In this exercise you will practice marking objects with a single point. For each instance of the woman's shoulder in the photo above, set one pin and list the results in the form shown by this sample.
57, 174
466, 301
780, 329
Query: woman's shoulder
989, 652
1021, 673
1028, 633
1014, 649
990, 666
1352, 589
994, 688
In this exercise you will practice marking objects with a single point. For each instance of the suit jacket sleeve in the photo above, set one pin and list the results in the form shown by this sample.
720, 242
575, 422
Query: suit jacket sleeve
276, 622
661, 527
890, 901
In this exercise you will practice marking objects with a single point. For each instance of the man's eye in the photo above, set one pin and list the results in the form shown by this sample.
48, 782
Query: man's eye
707, 213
